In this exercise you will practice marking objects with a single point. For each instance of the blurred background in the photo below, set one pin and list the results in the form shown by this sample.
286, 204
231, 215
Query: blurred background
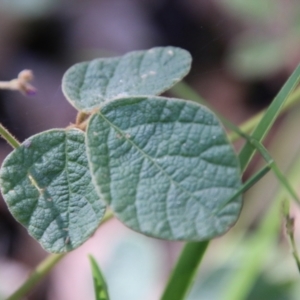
243, 51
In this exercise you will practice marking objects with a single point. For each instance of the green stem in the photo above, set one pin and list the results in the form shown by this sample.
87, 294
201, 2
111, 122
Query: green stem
36, 276
269, 118
246, 186
280, 176
295, 251
249, 125
185, 271
43, 269
290, 228
8, 137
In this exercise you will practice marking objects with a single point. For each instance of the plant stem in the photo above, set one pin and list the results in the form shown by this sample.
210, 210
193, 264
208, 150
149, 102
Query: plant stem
246, 186
269, 117
21, 83
272, 164
37, 275
8, 137
250, 124
43, 269
295, 251
185, 271
290, 228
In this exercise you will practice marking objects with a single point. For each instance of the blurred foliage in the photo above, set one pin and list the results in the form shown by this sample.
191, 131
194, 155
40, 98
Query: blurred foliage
269, 40
211, 287
252, 11
254, 56
28, 8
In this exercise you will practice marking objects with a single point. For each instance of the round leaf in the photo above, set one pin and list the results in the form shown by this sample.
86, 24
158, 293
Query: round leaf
86, 85
165, 167
47, 186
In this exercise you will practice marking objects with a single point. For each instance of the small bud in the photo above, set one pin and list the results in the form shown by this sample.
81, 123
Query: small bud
29, 90
26, 75
21, 83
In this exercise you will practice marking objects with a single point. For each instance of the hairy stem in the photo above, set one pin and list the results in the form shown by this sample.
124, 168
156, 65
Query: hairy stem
37, 275
21, 83
8, 137
43, 269
290, 228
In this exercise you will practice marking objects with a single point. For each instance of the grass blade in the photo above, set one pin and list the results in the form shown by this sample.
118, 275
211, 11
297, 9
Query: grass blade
185, 271
101, 292
269, 117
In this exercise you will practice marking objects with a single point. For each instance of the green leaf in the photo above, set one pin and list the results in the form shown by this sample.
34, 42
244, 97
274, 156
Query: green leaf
47, 186
87, 85
165, 167
101, 292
